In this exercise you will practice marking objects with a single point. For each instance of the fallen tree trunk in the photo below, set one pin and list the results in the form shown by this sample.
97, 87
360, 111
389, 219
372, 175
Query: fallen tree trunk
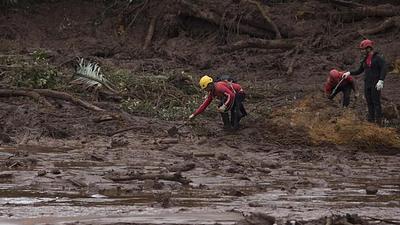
27, 93
170, 177
261, 43
67, 97
359, 13
38, 94
389, 23
267, 18
194, 9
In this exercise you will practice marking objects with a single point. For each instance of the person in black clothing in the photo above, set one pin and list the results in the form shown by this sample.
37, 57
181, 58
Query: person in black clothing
374, 68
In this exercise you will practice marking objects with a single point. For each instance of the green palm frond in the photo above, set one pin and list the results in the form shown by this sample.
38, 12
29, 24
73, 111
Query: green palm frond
89, 75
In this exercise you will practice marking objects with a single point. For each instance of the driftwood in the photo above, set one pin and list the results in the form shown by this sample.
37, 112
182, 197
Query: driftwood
170, 177
261, 43
388, 23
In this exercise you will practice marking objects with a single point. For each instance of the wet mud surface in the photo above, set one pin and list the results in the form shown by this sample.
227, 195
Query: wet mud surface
62, 183
69, 165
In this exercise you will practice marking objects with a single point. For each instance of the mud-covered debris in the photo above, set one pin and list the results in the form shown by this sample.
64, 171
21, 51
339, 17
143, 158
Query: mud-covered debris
371, 190
41, 173
182, 167
264, 170
167, 141
55, 171
234, 169
270, 164
77, 182
119, 142
255, 204
234, 192
6, 175
257, 218
4, 138
222, 156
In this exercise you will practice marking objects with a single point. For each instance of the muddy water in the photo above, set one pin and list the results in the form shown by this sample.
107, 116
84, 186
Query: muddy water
290, 184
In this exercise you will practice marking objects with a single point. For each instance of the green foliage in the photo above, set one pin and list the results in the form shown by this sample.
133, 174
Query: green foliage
39, 55
36, 77
167, 96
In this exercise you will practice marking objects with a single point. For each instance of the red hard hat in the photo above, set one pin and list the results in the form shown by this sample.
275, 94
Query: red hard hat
366, 43
334, 73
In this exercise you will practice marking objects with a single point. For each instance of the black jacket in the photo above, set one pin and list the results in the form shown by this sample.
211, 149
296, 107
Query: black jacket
373, 74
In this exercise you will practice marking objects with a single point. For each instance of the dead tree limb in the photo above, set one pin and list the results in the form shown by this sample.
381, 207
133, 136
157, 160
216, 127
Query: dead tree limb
27, 93
171, 177
261, 43
266, 17
388, 23
346, 3
291, 65
359, 13
67, 97
150, 32
195, 10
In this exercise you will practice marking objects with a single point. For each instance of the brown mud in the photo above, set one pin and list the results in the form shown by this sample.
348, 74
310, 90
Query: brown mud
71, 165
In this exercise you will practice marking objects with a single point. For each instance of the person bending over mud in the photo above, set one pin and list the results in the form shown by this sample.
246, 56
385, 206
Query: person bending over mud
374, 68
336, 84
231, 96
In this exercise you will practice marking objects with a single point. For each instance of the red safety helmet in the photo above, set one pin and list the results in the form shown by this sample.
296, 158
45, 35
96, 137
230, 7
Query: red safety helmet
366, 43
334, 73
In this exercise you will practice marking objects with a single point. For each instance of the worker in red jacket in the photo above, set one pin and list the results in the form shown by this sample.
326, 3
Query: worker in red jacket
231, 96
335, 84
374, 67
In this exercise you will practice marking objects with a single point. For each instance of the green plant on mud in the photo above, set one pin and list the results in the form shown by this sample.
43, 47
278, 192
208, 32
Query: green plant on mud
167, 96
37, 76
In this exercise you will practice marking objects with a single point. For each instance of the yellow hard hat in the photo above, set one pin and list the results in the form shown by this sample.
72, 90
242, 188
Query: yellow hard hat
204, 81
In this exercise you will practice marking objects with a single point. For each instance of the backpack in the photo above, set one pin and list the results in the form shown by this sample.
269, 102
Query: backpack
225, 78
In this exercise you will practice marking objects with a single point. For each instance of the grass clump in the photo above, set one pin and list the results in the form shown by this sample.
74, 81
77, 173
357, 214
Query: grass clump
322, 122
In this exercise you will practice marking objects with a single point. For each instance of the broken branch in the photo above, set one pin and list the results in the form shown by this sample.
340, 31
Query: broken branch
27, 93
388, 23
261, 43
267, 18
67, 97
150, 33
171, 177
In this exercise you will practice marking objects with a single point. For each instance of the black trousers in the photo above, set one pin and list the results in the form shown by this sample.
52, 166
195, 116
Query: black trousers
373, 98
237, 112
346, 89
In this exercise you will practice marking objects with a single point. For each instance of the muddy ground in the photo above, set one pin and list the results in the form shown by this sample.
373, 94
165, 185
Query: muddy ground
146, 165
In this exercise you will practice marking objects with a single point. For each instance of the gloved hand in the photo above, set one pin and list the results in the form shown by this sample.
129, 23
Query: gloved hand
346, 74
379, 85
222, 108
191, 117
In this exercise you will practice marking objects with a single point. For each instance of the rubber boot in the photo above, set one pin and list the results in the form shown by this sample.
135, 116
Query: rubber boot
225, 120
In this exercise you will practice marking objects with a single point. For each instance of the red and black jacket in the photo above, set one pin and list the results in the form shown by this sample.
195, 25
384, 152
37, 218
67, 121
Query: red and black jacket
334, 78
224, 91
